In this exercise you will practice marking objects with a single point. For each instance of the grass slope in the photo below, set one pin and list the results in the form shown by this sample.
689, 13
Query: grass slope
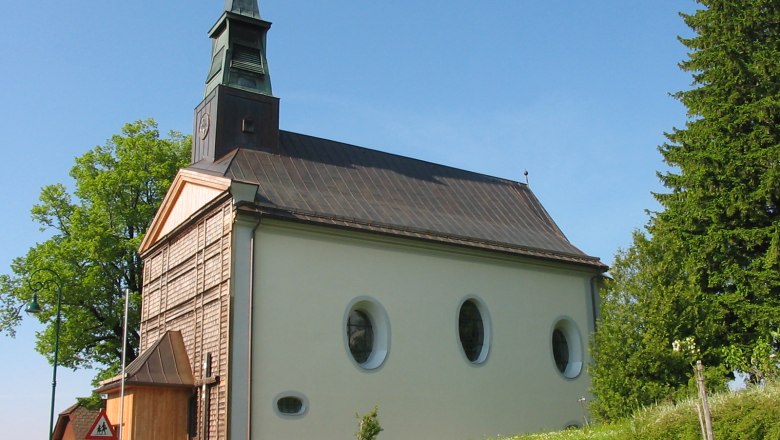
745, 415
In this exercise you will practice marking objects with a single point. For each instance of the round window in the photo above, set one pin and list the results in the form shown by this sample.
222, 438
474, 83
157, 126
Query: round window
473, 331
567, 348
367, 332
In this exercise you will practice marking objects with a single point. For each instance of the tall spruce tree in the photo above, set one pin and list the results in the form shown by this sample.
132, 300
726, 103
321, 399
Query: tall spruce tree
710, 267
724, 204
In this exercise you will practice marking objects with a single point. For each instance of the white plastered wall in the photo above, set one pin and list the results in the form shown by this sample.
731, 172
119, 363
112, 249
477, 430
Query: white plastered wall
305, 279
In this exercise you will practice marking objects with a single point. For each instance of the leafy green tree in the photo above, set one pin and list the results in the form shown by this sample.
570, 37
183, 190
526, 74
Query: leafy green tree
709, 267
95, 235
645, 306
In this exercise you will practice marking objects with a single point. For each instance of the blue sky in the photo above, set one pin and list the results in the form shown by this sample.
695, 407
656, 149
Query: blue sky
577, 93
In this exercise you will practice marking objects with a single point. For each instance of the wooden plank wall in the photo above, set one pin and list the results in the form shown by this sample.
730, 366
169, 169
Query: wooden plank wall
187, 288
154, 413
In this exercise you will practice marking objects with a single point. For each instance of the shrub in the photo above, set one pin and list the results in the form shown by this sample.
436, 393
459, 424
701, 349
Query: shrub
369, 427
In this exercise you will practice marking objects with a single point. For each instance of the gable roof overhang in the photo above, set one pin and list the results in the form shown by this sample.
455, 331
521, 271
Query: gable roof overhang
189, 192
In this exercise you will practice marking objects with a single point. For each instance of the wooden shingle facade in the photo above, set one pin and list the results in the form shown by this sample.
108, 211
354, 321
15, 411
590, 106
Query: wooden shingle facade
187, 288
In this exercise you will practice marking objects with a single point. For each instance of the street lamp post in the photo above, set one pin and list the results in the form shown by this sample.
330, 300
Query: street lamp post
33, 307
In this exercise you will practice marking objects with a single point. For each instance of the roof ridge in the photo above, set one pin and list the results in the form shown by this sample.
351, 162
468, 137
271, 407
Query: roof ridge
340, 183
374, 150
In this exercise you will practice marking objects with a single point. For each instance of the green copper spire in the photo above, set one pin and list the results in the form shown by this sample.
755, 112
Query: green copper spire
238, 49
243, 7
238, 109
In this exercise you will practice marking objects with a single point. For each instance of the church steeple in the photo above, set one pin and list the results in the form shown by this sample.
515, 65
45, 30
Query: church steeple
238, 49
243, 7
239, 109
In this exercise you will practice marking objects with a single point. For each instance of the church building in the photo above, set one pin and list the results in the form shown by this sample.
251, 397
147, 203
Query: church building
291, 282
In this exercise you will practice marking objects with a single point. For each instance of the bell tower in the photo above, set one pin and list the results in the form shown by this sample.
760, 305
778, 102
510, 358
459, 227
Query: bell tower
238, 109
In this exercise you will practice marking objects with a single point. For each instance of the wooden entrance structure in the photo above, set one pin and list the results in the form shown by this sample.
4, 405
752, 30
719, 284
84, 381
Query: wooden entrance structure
158, 393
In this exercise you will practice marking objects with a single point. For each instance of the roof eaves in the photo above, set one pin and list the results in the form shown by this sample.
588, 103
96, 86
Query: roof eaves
362, 225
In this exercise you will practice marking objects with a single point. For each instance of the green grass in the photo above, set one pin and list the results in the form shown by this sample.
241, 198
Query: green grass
745, 415
610, 431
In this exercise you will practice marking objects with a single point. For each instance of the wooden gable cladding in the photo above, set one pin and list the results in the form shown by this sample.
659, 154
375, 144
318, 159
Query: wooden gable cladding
189, 193
187, 288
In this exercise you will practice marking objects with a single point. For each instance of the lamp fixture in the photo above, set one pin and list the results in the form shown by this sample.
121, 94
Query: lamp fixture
32, 307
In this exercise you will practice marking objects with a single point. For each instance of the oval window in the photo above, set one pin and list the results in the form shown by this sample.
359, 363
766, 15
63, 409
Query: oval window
290, 405
360, 334
367, 335
567, 348
471, 330
560, 350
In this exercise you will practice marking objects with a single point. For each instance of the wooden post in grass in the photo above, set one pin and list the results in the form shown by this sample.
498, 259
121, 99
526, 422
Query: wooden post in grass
705, 406
701, 421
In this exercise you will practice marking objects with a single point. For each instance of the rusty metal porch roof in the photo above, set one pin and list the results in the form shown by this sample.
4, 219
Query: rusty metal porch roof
165, 363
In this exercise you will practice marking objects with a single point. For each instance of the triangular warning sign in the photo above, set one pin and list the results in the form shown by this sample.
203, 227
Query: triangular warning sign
101, 429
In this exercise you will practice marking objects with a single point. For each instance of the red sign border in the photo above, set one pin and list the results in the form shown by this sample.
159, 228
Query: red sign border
101, 415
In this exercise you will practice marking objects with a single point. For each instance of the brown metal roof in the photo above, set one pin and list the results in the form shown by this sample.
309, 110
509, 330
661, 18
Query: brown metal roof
318, 180
163, 364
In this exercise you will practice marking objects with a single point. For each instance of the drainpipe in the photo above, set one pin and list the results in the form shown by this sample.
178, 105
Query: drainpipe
251, 327
594, 298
